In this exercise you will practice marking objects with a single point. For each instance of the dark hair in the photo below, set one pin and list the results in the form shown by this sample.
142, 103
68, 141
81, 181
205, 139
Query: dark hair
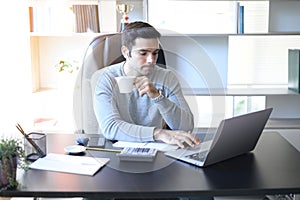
137, 30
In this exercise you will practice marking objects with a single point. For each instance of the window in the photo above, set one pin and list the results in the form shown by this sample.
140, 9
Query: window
260, 60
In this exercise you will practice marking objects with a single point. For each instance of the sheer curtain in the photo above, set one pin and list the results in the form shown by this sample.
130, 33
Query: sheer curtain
86, 18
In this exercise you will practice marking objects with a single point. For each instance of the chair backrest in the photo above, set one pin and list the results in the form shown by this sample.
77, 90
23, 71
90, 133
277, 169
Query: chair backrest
102, 51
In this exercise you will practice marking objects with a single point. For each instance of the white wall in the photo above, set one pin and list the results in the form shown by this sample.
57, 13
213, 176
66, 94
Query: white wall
200, 61
284, 16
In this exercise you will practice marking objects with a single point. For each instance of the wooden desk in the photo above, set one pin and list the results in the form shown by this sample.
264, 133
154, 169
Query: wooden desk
272, 168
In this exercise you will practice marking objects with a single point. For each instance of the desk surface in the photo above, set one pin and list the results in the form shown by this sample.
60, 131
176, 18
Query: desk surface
272, 168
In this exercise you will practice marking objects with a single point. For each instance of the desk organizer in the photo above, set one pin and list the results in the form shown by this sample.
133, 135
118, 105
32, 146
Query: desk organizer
35, 146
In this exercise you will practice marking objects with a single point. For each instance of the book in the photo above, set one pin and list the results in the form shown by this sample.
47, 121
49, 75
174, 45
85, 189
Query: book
240, 20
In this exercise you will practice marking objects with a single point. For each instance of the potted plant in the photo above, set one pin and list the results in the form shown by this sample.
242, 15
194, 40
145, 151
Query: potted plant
68, 70
67, 66
12, 155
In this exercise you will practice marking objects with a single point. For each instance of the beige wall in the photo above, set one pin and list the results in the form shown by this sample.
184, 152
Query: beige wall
48, 50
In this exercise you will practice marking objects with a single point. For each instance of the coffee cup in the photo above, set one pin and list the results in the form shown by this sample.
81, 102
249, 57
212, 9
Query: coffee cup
125, 83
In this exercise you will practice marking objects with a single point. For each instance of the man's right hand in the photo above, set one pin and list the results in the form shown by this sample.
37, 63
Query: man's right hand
177, 137
145, 86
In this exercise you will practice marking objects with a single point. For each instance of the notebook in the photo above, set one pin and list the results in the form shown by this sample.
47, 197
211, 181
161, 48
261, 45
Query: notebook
234, 136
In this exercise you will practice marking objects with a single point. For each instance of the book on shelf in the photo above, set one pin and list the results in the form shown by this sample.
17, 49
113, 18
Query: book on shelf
240, 19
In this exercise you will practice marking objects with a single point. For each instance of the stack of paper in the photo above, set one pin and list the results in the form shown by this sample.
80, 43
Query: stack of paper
69, 164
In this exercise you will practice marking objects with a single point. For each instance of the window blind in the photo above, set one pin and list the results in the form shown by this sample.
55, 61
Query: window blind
260, 60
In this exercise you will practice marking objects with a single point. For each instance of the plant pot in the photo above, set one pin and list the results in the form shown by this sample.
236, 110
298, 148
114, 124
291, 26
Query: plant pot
8, 171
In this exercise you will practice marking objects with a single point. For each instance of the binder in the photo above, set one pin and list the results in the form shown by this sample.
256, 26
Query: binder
293, 70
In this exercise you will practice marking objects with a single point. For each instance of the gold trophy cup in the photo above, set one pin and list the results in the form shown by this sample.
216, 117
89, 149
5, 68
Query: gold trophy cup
124, 9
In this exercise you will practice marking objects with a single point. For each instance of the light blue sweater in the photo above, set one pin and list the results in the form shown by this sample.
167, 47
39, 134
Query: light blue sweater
130, 117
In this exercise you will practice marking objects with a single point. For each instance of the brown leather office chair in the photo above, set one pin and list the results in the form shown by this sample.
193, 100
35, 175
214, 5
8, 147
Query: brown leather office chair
102, 51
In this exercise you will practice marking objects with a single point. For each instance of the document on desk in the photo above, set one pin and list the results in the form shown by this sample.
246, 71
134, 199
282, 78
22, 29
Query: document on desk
156, 145
69, 164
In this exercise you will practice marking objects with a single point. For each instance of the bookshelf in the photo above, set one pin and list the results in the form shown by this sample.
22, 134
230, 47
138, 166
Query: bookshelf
53, 35
214, 47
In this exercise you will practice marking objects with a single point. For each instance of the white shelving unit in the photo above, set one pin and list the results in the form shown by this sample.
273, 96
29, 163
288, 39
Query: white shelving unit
55, 38
201, 59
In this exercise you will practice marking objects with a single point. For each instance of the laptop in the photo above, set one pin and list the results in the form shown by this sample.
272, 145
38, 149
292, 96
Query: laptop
234, 136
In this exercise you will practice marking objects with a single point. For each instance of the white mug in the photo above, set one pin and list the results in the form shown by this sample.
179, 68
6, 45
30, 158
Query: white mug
125, 83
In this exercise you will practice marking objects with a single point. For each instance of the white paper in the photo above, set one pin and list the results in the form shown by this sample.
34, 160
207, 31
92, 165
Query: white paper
69, 164
156, 145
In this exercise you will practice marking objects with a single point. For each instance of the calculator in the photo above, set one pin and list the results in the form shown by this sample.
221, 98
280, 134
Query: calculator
137, 154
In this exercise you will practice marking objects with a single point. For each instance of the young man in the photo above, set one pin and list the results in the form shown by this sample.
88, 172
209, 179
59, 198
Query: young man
156, 99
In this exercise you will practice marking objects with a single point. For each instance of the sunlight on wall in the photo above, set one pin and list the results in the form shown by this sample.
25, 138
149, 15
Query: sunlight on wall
15, 65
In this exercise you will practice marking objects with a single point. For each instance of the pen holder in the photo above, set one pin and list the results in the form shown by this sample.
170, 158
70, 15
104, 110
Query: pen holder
35, 146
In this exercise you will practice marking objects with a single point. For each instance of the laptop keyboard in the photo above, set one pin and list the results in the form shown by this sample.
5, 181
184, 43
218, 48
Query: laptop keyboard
198, 156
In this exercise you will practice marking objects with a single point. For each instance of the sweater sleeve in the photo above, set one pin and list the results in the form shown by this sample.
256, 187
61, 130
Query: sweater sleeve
108, 115
174, 108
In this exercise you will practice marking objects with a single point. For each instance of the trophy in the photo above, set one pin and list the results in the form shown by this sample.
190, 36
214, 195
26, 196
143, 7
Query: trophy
124, 9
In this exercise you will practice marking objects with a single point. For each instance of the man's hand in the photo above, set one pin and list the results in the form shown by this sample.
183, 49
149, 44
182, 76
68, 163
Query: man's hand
176, 137
145, 86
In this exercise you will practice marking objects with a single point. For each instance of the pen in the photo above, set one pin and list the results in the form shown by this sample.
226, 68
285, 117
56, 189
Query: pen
102, 149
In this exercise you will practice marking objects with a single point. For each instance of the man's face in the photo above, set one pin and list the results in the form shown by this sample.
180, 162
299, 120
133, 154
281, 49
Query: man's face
142, 58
